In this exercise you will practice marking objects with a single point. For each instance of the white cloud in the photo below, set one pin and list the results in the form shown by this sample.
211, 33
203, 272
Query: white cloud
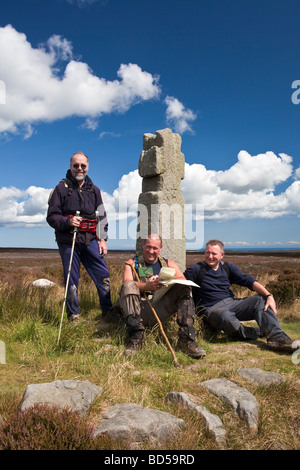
255, 173
36, 92
108, 133
200, 187
23, 208
246, 190
60, 47
90, 124
123, 202
297, 174
178, 116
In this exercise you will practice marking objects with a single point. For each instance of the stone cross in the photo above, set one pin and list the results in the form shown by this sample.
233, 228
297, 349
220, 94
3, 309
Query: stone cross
161, 204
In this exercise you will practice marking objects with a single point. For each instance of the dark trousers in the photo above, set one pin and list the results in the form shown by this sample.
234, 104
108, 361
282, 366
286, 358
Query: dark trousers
138, 313
228, 314
96, 267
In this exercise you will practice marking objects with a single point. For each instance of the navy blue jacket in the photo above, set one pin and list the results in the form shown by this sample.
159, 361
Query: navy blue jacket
66, 199
215, 285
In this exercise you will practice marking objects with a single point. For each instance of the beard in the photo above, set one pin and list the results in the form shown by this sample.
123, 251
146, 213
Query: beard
79, 176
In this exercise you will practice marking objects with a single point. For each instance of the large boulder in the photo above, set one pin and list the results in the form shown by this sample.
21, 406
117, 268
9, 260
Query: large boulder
137, 425
74, 394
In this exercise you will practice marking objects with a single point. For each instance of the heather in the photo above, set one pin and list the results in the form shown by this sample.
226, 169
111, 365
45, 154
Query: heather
93, 350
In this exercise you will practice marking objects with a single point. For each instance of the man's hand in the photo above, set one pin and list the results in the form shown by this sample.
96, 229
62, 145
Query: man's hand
75, 221
155, 283
102, 247
270, 302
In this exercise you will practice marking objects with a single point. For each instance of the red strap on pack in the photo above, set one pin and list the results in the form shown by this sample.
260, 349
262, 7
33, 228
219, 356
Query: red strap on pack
86, 225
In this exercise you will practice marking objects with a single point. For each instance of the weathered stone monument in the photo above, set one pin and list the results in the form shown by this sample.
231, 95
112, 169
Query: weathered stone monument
161, 204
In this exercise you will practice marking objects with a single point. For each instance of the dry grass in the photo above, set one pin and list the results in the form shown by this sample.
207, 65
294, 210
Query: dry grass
93, 350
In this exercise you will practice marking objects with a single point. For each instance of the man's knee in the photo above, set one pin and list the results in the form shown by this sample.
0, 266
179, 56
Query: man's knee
106, 284
129, 288
254, 303
130, 299
218, 319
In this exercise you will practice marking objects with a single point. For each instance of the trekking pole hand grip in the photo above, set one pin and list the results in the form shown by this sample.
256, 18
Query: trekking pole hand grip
76, 228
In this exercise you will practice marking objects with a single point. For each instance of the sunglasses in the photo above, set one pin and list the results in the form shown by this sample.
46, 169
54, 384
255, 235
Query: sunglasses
76, 165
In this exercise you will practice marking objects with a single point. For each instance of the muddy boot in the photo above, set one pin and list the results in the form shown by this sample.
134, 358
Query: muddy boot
191, 348
135, 330
133, 346
282, 342
74, 318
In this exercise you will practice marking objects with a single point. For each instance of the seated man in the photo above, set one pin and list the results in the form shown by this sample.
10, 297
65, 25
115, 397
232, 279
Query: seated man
178, 298
216, 300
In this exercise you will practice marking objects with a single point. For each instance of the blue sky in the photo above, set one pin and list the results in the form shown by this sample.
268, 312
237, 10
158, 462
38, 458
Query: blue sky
95, 75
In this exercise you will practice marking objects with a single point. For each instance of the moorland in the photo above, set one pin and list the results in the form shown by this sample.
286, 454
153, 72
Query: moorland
93, 349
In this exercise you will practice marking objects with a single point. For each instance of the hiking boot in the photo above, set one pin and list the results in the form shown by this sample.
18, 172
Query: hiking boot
281, 342
73, 318
135, 330
191, 348
133, 347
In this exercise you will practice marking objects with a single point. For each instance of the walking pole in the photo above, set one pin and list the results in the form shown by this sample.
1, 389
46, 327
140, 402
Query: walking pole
176, 363
68, 278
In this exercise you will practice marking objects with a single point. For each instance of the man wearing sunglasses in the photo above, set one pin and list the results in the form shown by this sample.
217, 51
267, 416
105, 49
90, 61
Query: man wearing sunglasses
77, 194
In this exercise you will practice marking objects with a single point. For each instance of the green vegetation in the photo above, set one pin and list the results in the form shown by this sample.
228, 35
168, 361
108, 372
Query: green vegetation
46, 428
93, 350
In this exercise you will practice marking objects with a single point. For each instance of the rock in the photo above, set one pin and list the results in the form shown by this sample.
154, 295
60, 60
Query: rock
138, 425
43, 283
261, 377
74, 394
161, 204
213, 422
238, 398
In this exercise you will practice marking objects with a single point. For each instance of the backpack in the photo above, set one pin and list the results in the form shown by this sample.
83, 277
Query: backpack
68, 184
139, 261
140, 266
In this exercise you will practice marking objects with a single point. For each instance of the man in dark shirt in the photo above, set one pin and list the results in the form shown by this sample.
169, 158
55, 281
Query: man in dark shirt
77, 194
223, 312
140, 279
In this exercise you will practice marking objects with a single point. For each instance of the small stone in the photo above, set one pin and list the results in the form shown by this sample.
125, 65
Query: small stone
261, 377
213, 422
43, 283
